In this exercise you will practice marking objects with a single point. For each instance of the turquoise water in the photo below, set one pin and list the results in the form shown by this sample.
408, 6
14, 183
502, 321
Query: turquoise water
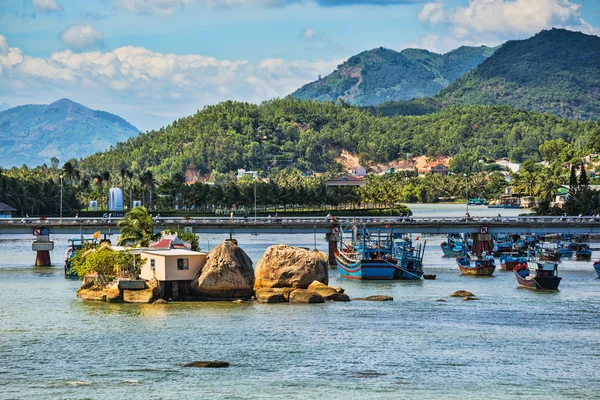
513, 343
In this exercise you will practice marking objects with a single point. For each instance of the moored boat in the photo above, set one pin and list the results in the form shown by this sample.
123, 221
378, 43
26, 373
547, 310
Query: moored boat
483, 265
544, 276
368, 256
583, 253
548, 254
597, 268
453, 246
508, 262
410, 259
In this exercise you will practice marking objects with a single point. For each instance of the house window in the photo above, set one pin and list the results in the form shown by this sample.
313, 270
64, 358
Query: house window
152, 264
183, 264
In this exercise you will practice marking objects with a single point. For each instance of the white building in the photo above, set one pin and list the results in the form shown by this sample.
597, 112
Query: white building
242, 172
171, 264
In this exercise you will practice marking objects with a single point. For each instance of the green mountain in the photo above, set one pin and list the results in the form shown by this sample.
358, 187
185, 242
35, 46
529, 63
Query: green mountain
309, 136
379, 75
555, 72
33, 134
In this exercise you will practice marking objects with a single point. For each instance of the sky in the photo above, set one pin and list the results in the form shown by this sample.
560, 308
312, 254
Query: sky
153, 61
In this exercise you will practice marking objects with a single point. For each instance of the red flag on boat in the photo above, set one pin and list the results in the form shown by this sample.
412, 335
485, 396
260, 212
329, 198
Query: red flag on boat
417, 238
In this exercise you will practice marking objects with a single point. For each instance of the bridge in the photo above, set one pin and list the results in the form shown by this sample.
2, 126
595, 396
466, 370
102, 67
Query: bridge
299, 225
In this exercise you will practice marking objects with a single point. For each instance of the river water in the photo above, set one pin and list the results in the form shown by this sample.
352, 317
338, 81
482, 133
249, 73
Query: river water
512, 343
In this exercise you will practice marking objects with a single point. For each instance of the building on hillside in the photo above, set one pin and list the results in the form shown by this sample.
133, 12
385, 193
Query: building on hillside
242, 172
174, 269
434, 168
562, 194
357, 171
345, 180
170, 242
6, 211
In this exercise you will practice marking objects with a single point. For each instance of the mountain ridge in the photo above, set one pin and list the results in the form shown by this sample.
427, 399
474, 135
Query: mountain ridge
379, 75
34, 133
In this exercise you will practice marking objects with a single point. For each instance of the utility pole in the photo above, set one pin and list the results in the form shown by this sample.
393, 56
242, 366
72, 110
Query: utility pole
61, 196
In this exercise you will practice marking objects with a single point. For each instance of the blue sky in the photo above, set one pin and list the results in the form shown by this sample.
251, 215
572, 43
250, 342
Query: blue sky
152, 61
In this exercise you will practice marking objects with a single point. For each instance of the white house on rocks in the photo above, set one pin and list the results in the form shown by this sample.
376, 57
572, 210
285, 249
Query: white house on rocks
174, 270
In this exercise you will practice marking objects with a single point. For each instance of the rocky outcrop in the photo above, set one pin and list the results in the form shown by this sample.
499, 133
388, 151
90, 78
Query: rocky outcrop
376, 298
286, 266
303, 296
328, 292
227, 274
270, 296
462, 293
208, 364
96, 290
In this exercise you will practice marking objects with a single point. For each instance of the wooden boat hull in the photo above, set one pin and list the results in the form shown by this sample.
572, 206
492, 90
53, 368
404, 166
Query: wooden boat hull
550, 257
412, 271
481, 268
509, 265
526, 281
451, 251
365, 269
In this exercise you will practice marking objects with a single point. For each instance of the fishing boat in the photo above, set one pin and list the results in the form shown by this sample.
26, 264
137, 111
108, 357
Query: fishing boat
544, 276
583, 253
508, 262
597, 268
410, 259
565, 252
367, 256
547, 253
74, 245
502, 248
453, 246
483, 265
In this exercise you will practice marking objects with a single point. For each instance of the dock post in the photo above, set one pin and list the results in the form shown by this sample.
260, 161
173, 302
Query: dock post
333, 238
42, 246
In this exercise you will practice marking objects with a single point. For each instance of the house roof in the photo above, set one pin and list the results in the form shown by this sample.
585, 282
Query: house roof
6, 207
173, 252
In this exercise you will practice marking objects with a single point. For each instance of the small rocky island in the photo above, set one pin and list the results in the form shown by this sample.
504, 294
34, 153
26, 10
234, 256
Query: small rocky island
284, 274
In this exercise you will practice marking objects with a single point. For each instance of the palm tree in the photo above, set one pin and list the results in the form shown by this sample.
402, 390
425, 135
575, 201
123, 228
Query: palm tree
136, 228
147, 180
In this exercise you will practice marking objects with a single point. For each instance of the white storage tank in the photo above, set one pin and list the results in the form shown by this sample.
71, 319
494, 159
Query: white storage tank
137, 203
115, 199
93, 205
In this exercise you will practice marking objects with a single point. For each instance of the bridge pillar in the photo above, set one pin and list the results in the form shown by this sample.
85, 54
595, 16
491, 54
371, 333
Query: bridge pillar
482, 242
42, 246
333, 238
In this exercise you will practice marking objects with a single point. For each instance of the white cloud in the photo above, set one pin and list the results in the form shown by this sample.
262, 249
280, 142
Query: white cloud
47, 5
309, 34
82, 36
432, 13
491, 22
3, 44
138, 83
167, 7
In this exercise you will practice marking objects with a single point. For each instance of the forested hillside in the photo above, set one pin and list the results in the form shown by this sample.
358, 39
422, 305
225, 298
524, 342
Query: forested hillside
309, 136
379, 75
555, 72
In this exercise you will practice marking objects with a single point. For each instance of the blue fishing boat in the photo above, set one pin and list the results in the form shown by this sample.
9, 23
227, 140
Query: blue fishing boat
482, 265
543, 275
597, 268
367, 256
565, 252
410, 259
501, 248
508, 262
74, 245
453, 246
583, 253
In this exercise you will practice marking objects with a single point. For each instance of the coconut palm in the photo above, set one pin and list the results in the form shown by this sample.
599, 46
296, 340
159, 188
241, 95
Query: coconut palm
136, 228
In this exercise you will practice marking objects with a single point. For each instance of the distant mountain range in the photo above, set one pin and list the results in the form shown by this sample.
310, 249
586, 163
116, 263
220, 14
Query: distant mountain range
556, 72
379, 75
33, 134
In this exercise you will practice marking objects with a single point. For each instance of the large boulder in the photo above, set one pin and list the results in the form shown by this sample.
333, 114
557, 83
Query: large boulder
328, 292
286, 266
305, 297
227, 274
271, 296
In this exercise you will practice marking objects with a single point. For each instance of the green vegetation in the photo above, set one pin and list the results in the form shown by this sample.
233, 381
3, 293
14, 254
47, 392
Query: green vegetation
136, 228
104, 261
555, 72
309, 136
32, 134
380, 75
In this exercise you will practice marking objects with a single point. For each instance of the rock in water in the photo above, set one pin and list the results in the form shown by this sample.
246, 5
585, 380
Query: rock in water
462, 293
376, 298
470, 298
328, 292
277, 295
227, 274
286, 266
208, 364
305, 297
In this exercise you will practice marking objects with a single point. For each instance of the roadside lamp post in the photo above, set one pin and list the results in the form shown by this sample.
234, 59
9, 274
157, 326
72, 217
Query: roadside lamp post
255, 200
467, 191
61, 196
